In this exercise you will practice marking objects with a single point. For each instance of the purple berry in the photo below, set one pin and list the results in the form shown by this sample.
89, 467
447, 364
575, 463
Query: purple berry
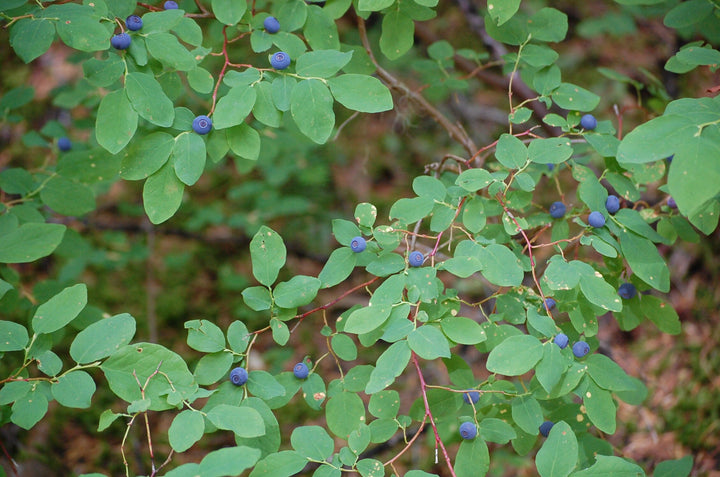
120, 41
468, 430
64, 144
280, 60
545, 428
627, 291
588, 122
471, 396
596, 219
202, 124
238, 376
170, 5
301, 371
133, 23
562, 340
271, 24
415, 259
551, 167
671, 203
358, 244
580, 349
557, 210
550, 303
612, 204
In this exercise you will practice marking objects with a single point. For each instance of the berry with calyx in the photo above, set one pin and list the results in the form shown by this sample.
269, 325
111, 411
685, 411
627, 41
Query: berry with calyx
170, 5
627, 291
64, 144
471, 396
596, 219
202, 124
550, 303
581, 349
671, 203
271, 24
415, 259
133, 23
120, 41
301, 371
562, 340
557, 210
238, 376
588, 122
545, 428
468, 430
358, 244
280, 60
612, 204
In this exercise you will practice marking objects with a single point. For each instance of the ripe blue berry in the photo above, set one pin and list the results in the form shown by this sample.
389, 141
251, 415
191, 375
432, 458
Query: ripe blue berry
627, 291
301, 371
596, 219
471, 396
64, 144
562, 340
545, 428
170, 5
271, 24
671, 203
358, 244
133, 23
550, 303
612, 204
415, 259
280, 60
588, 122
557, 210
238, 376
120, 41
551, 167
468, 430
580, 349
202, 124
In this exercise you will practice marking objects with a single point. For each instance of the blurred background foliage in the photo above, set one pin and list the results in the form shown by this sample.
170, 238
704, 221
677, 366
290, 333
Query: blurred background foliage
196, 264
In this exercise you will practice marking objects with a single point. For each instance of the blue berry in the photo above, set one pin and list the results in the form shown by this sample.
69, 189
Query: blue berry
202, 124
612, 204
562, 340
301, 371
471, 396
551, 167
280, 60
627, 291
468, 430
64, 144
238, 376
545, 428
580, 349
670, 158
170, 5
120, 41
596, 219
550, 303
271, 24
358, 244
557, 210
588, 122
415, 259
671, 203
133, 23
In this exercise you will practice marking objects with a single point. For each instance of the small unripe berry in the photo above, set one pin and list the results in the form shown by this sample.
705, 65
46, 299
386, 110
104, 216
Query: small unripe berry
64, 144
202, 124
133, 23
415, 259
545, 428
280, 60
301, 371
596, 219
120, 41
238, 376
612, 204
468, 430
557, 210
562, 340
588, 122
580, 349
471, 396
627, 291
358, 244
271, 24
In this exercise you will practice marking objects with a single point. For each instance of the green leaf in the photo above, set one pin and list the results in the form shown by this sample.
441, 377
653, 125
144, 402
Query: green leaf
68, 197
412, 210
243, 421
186, 429
60, 310
515, 356
312, 442
595, 288
463, 330
264, 109
234, 107
344, 412
645, 261
397, 36
282, 464
500, 266
244, 141
550, 151
389, 366
31, 37
511, 152
361, 93
280, 331
607, 374
549, 24
146, 156
600, 407
81, 31
102, 338
527, 413
367, 319
103, 73
149, 99
559, 453
311, 106
74, 389
205, 336
164, 20
662, 314
384, 404
573, 97
13, 336
370, 468
611, 465
374, 5
322, 63
238, 336
268, 443
29, 409
116, 121
166, 48
502, 10
551, 367
674, 468
474, 179
212, 367
228, 12
188, 157
264, 385
429, 343
320, 29
282, 88
30, 242
298, 291
472, 459
228, 461
267, 253
496, 430
162, 194
338, 267
257, 298
344, 347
